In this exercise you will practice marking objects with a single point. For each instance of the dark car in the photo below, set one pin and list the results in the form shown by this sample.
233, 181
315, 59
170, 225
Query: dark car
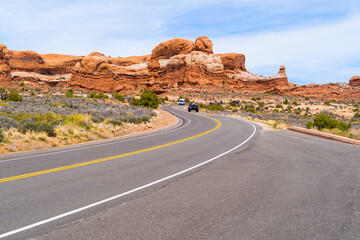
193, 106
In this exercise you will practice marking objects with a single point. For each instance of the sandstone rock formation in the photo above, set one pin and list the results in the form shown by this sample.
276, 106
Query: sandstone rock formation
233, 61
172, 47
204, 44
5, 76
173, 64
50, 64
355, 81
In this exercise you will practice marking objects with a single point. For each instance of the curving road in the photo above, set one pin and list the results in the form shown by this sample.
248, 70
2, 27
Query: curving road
211, 178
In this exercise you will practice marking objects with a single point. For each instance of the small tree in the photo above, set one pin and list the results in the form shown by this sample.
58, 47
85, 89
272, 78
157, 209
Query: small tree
69, 93
3, 94
14, 96
149, 99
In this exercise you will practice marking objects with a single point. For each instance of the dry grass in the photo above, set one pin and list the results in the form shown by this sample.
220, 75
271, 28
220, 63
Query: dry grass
71, 133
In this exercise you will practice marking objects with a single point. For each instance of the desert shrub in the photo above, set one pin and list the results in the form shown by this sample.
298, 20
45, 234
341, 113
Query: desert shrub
215, 107
356, 116
233, 104
32, 93
261, 104
22, 84
201, 105
115, 122
100, 95
69, 93
29, 125
14, 96
118, 96
3, 94
328, 121
2, 137
147, 99
250, 109
295, 103
324, 121
286, 101
75, 120
135, 101
309, 125
6, 123
327, 103
279, 105
255, 98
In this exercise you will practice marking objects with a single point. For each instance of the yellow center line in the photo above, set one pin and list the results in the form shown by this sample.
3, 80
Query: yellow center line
110, 158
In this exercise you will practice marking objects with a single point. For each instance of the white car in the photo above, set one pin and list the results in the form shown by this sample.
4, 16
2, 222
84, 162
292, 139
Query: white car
181, 101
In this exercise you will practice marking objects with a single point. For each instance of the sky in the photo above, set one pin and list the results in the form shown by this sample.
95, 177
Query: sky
317, 41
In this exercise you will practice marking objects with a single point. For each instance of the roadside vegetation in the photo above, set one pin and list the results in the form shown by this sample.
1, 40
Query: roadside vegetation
33, 120
282, 111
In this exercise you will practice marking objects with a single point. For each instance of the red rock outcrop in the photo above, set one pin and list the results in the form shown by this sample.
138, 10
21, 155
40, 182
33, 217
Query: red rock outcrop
330, 91
233, 61
172, 47
30, 61
355, 81
128, 61
5, 76
204, 44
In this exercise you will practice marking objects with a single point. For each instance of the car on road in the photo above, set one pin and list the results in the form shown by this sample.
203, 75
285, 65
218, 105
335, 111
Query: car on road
193, 106
181, 101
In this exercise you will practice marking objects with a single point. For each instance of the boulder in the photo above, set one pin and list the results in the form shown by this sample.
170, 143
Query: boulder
5, 75
172, 47
204, 44
355, 81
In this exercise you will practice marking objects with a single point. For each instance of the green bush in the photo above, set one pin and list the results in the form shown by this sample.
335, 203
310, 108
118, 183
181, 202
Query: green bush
255, 98
118, 96
32, 126
3, 94
149, 99
279, 105
323, 120
295, 103
69, 93
286, 101
2, 137
14, 96
250, 109
98, 95
261, 104
215, 107
327, 103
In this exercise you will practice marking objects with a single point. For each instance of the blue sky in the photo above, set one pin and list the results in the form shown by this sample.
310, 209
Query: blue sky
317, 41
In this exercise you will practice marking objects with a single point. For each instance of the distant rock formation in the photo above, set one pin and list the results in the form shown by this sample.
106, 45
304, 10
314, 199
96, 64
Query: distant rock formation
50, 64
355, 81
174, 64
5, 75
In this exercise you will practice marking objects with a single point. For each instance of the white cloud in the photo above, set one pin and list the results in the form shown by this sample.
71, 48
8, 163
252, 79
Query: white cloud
311, 54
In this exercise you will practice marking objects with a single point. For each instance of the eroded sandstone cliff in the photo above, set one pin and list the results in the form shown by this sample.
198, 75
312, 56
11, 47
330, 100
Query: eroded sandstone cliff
174, 64
5, 75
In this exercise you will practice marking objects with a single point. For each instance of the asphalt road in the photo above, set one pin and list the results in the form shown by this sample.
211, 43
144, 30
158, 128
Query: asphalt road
276, 185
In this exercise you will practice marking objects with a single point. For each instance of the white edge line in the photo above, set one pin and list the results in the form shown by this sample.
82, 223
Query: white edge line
97, 145
125, 193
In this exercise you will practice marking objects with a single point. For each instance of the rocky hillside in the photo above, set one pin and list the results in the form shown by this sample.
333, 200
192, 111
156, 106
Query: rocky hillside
176, 64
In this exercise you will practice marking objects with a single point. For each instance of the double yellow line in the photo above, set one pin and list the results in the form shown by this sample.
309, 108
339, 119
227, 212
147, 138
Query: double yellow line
109, 158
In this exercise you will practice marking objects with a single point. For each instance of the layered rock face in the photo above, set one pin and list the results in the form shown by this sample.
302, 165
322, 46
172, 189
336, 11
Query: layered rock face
355, 81
176, 63
30, 61
96, 72
5, 75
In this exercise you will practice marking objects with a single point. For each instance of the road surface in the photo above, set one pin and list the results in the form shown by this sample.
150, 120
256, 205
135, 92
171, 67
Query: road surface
245, 184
